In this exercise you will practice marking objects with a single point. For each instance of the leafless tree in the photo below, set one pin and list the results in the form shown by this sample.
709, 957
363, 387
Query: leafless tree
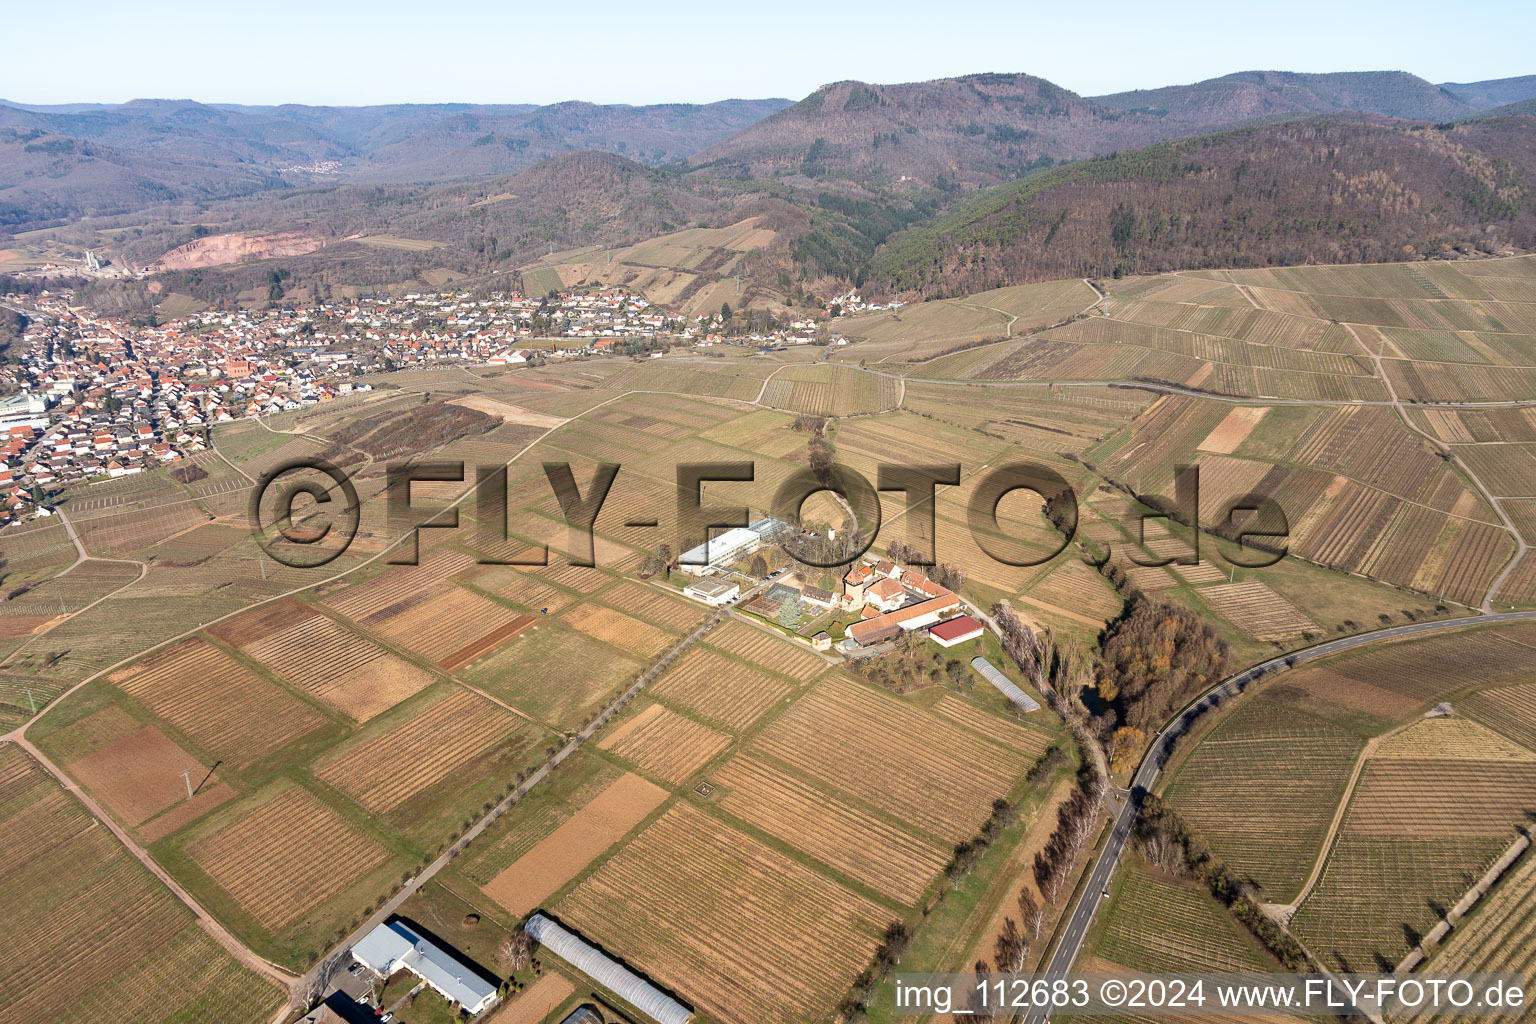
1011, 949
1031, 916
314, 986
515, 951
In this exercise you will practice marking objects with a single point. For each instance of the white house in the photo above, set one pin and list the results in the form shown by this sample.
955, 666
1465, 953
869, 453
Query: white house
712, 591
393, 947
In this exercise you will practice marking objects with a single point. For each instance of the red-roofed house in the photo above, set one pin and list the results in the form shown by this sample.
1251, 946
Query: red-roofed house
886, 595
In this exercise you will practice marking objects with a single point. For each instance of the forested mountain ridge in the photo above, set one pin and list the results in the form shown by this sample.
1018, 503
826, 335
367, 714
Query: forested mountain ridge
1323, 190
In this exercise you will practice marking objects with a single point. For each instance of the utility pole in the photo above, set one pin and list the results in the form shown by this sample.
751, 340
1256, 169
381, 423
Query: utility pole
186, 777
30, 702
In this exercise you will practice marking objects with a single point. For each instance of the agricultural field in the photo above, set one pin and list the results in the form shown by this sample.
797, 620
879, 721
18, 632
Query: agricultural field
833, 831
616, 629
929, 330
84, 904
716, 688
653, 605
387, 765
826, 389
228, 710
766, 650
1192, 933
1497, 937
843, 734
137, 771
1261, 789
664, 744
275, 879
1376, 891
520, 674
689, 875
1257, 610
348, 672
582, 778
567, 851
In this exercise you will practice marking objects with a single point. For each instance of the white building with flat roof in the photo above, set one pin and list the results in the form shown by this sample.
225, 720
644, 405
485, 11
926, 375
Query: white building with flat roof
713, 591
394, 946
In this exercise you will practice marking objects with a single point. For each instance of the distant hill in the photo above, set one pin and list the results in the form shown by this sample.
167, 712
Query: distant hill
1320, 190
979, 129
1496, 92
1255, 95
223, 149
49, 179
1523, 107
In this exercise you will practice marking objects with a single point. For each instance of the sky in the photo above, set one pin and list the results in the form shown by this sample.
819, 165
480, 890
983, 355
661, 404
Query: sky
389, 51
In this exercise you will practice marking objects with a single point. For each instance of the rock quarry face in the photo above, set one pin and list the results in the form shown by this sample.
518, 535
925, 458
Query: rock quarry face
217, 250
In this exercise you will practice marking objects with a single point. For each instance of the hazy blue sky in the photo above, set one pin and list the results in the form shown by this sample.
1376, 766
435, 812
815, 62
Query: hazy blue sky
282, 51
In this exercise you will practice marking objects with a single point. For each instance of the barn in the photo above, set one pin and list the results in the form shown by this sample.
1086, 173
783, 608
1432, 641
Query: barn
955, 631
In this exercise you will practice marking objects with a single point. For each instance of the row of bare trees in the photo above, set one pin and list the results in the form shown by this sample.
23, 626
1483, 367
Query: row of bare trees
1077, 822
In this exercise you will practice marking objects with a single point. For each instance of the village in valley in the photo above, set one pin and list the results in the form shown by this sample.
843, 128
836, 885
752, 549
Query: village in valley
101, 396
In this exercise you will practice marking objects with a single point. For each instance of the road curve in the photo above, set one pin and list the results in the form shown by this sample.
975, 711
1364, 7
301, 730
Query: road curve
1076, 925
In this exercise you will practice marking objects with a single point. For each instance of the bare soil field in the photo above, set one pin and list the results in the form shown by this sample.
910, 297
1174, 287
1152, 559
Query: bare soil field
140, 775
1231, 432
581, 839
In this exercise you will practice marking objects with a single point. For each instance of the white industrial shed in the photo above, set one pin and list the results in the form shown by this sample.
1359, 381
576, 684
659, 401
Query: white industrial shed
606, 971
1004, 684
729, 546
394, 946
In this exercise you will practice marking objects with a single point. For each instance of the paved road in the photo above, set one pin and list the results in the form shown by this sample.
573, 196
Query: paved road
1081, 918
